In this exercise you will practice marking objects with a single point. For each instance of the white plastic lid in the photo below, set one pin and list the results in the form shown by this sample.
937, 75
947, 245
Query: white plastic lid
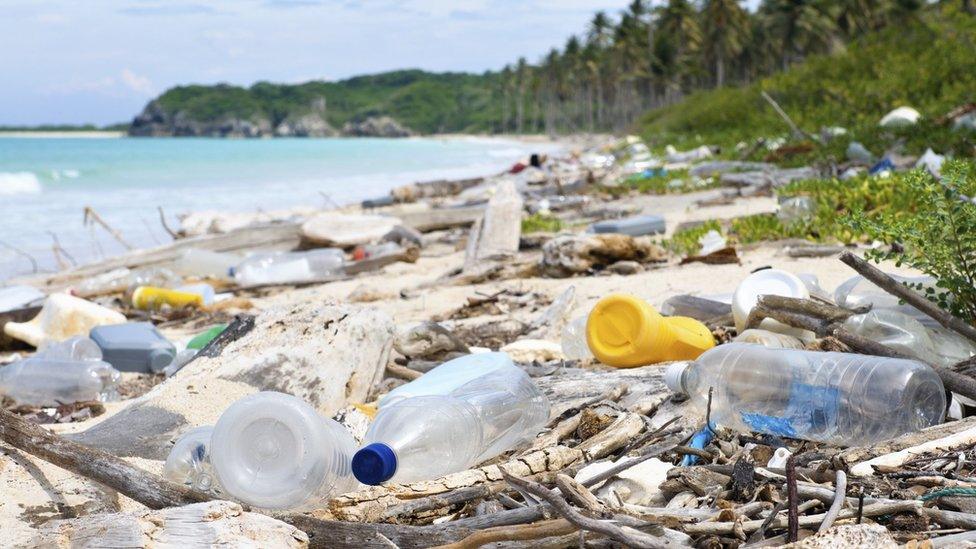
765, 282
271, 450
672, 376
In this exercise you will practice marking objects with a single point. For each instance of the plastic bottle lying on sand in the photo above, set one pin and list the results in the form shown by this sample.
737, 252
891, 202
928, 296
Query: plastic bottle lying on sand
431, 435
74, 348
119, 280
189, 462
906, 334
54, 380
769, 339
838, 398
625, 331
450, 375
289, 267
273, 451
150, 298
206, 264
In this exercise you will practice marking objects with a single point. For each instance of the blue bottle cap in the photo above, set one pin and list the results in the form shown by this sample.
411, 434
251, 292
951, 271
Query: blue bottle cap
374, 464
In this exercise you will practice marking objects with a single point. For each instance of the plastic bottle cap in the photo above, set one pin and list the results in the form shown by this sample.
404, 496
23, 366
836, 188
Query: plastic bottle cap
374, 464
160, 358
672, 376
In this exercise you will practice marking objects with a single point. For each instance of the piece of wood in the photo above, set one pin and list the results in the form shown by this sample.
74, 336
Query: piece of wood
797, 132
148, 489
521, 532
402, 372
960, 439
91, 216
437, 219
840, 496
807, 521
279, 236
628, 536
793, 523
578, 494
909, 295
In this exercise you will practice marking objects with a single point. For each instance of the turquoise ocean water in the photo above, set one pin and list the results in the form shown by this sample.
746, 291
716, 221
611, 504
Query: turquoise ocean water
46, 182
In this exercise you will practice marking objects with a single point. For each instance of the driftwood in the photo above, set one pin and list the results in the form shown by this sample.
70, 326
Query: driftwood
437, 219
148, 489
909, 295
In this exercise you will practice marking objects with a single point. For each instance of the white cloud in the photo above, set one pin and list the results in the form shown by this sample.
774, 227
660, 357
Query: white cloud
137, 83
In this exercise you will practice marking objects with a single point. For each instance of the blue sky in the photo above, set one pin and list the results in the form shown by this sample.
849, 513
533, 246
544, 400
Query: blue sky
100, 61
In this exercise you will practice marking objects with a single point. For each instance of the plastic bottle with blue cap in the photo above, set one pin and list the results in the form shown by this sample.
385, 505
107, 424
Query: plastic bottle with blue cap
837, 398
467, 411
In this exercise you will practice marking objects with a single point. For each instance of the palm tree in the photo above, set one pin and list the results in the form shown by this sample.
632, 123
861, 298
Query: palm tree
726, 28
521, 81
801, 26
677, 44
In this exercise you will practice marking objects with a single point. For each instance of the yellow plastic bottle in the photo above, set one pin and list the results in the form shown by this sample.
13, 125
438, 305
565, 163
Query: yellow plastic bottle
150, 298
625, 331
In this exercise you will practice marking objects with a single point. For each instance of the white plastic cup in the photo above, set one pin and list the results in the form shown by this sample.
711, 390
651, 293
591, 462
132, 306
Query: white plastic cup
767, 282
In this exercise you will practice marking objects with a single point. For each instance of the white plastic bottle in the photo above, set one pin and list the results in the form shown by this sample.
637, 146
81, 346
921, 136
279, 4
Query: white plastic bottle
206, 264
429, 436
288, 267
273, 451
189, 462
52, 381
838, 398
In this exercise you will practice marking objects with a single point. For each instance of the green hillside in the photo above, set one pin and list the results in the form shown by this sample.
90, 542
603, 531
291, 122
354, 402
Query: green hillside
424, 102
929, 64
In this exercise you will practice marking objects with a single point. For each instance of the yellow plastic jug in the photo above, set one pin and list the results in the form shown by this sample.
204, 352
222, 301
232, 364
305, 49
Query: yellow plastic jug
150, 298
624, 331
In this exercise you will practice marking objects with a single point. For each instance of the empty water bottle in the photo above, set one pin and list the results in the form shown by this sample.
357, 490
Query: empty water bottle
206, 264
906, 334
51, 381
189, 463
449, 376
431, 435
285, 267
838, 398
858, 291
73, 348
273, 451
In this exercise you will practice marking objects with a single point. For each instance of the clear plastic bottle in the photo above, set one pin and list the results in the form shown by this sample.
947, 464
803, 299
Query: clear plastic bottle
574, 339
273, 451
206, 264
449, 376
858, 291
838, 398
56, 380
73, 348
904, 333
288, 267
429, 436
189, 462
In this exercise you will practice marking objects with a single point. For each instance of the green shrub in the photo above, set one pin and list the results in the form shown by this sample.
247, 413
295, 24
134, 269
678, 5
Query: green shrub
539, 223
938, 237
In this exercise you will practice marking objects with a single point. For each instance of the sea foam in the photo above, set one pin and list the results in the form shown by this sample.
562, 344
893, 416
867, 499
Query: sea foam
19, 183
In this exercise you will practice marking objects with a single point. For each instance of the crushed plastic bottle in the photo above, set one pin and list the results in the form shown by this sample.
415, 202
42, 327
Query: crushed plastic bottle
625, 331
62, 316
858, 291
55, 379
188, 463
573, 340
838, 398
711, 242
431, 435
907, 335
273, 451
206, 264
285, 267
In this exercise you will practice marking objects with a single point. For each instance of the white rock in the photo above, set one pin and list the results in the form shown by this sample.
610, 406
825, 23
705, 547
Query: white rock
347, 230
534, 350
850, 536
209, 524
62, 316
329, 356
900, 118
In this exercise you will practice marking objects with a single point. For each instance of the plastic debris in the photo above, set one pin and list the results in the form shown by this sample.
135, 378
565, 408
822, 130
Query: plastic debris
134, 347
62, 316
64, 373
900, 118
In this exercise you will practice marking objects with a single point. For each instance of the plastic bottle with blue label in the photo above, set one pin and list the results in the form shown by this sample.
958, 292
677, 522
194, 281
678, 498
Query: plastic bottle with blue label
838, 398
459, 416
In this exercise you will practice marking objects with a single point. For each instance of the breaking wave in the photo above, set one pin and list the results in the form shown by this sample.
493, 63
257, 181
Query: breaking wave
19, 183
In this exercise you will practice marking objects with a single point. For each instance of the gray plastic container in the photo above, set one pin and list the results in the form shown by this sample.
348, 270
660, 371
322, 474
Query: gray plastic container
638, 225
134, 347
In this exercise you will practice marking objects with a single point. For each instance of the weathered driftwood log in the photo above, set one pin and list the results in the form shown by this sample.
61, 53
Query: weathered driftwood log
909, 295
146, 488
210, 524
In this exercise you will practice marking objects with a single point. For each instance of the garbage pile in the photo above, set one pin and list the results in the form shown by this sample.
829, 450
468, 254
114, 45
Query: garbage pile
419, 372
